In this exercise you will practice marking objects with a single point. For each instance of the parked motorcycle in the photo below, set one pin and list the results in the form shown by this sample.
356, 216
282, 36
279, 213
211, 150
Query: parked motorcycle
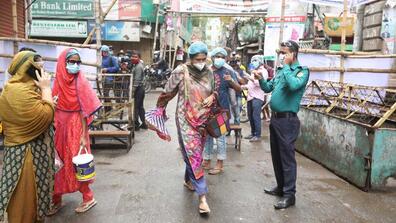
154, 78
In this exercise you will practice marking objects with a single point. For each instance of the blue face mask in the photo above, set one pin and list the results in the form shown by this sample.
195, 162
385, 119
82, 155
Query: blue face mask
72, 68
254, 64
218, 62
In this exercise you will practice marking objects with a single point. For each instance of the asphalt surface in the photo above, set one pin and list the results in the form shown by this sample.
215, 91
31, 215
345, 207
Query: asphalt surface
146, 185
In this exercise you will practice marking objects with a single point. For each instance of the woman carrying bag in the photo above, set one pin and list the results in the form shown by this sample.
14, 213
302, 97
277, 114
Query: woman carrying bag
77, 102
194, 85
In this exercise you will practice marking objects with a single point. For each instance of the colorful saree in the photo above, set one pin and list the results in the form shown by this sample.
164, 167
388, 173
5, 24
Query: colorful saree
190, 116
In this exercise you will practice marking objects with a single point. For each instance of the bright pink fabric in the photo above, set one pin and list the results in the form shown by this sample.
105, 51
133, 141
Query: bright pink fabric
254, 90
74, 91
76, 99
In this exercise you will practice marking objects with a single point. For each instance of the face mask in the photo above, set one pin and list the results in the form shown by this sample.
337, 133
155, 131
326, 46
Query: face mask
282, 58
72, 68
31, 71
219, 62
254, 64
199, 66
135, 61
239, 63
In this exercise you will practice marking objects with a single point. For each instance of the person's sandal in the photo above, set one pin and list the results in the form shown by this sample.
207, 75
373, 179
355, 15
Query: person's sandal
204, 208
54, 209
85, 206
189, 186
215, 171
206, 165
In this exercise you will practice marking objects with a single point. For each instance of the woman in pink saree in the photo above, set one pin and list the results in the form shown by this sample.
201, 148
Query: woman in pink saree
77, 102
194, 85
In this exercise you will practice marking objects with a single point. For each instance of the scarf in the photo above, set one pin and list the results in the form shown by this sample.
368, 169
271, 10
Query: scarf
74, 92
23, 113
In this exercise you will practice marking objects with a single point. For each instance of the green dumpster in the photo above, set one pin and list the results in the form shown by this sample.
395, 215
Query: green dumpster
350, 130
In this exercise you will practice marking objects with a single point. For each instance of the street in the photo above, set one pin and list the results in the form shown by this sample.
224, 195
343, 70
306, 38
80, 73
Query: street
146, 185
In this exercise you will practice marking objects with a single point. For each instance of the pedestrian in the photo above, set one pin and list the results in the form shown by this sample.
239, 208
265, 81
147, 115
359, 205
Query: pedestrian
194, 84
138, 90
287, 89
235, 63
77, 102
110, 65
27, 113
225, 79
255, 98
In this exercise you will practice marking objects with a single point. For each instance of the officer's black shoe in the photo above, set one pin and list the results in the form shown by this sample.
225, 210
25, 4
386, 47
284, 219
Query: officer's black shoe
144, 126
285, 202
274, 191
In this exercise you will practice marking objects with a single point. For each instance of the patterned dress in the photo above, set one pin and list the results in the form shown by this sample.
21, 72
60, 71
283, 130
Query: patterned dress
190, 116
42, 151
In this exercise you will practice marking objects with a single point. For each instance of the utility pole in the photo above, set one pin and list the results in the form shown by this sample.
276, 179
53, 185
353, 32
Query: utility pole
282, 27
98, 35
15, 25
157, 6
343, 39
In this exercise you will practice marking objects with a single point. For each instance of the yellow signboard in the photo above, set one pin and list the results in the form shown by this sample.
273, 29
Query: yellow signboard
333, 26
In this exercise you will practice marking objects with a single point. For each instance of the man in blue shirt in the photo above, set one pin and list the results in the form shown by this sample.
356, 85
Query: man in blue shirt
224, 80
287, 89
109, 65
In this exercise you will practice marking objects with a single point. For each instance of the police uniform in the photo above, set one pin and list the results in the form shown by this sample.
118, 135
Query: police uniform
287, 89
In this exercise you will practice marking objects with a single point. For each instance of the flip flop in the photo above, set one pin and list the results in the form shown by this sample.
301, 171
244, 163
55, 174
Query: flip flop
85, 206
204, 208
189, 186
216, 171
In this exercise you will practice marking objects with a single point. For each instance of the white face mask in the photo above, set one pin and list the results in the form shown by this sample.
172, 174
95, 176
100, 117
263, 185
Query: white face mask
199, 66
282, 58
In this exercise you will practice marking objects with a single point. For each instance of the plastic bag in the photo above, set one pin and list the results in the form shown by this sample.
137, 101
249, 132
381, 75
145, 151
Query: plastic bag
58, 162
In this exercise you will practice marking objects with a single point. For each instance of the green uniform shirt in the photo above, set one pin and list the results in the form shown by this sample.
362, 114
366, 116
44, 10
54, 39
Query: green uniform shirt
287, 87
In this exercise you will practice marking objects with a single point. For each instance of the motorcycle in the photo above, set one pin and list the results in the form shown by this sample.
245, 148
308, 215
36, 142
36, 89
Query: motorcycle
154, 78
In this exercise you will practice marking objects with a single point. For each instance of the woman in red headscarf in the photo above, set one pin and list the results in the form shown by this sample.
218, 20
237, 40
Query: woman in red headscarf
77, 102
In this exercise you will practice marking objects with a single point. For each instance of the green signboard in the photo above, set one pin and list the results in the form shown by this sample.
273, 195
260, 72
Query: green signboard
63, 9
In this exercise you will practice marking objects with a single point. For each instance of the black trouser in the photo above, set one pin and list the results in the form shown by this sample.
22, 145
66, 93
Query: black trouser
283, 135
139, 108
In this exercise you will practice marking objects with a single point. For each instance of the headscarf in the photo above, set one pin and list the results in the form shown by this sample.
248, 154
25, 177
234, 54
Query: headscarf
73, 90
218, 50
72, 52
105, 48
196, 48
258, 58
24, 115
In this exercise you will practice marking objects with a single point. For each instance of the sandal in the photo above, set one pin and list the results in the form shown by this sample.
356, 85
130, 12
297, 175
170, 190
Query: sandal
85, 206
216, 171
189, 185
206, 165
204, 208
54, 209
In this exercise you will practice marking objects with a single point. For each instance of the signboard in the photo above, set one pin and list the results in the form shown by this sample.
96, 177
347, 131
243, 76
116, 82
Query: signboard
123, 9
75, 9
292, 31
338, 3
59, 28
122, 31
332, 26
224, 6
388, 30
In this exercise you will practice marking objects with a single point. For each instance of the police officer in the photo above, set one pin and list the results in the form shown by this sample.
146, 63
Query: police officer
287, 89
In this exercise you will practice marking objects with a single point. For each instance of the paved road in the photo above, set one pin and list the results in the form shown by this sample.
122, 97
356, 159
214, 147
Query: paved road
145, 185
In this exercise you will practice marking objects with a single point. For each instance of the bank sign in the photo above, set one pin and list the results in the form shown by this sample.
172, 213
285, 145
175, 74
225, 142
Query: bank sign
63, 9
59, 28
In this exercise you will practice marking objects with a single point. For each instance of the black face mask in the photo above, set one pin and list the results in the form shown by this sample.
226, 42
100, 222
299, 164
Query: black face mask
31, 71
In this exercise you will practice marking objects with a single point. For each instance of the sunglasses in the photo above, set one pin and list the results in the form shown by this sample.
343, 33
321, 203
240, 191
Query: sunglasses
78, 62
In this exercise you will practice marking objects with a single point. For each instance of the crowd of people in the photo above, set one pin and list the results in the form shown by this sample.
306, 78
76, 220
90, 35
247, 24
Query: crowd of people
40, 122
